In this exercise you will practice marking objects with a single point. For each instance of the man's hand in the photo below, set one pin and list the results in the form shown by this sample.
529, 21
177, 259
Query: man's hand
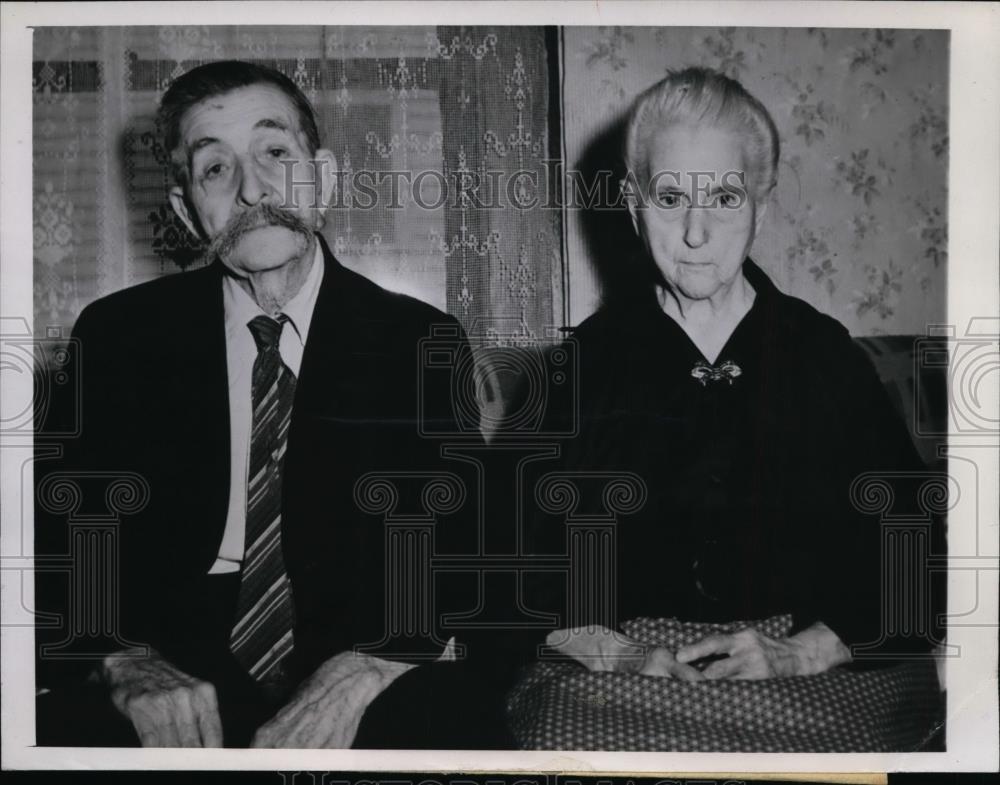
326, 710
167, 707
752, 655
601, 649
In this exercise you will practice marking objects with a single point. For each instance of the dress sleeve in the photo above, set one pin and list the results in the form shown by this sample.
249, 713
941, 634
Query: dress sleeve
872, 439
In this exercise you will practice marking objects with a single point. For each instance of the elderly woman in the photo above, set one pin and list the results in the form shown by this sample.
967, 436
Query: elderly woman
745, 412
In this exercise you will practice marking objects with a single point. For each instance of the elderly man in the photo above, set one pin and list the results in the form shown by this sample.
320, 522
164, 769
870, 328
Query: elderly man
250, 396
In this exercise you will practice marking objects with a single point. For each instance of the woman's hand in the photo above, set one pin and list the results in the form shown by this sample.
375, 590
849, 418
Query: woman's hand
662, 662
601, 649
752, 655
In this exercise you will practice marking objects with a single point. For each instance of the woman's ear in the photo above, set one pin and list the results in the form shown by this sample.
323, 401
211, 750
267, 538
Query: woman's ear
179, 202
761, 204
630, 202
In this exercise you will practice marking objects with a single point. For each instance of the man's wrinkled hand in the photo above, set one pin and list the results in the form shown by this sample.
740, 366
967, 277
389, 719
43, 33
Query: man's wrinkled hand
750, 654
601, 649
167, 707
326, 710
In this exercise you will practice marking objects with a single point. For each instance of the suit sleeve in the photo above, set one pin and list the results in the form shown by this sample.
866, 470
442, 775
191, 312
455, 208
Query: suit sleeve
556, 407
69, 642
435, 410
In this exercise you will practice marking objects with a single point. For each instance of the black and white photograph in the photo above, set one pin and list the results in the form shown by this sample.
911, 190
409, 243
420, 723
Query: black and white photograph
430, 386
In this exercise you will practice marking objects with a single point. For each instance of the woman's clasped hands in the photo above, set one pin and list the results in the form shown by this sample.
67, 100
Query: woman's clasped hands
747, 654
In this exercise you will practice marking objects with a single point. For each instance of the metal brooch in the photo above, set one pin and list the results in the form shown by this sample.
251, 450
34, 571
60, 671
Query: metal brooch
706, 373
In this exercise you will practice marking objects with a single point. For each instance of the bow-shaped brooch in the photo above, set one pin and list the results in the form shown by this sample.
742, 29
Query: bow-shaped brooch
706, 373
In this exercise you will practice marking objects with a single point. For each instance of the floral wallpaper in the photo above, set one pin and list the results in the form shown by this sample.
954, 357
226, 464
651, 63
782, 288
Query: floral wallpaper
858, 226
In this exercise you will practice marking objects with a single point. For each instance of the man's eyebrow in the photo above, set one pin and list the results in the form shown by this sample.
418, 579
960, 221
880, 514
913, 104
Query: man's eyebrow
271, 122
264, 122
205, 141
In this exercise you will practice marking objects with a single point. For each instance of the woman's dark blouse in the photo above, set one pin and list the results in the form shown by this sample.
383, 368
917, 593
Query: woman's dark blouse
748, 511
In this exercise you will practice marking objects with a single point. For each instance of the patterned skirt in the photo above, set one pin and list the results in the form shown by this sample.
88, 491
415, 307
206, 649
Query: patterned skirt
559, 706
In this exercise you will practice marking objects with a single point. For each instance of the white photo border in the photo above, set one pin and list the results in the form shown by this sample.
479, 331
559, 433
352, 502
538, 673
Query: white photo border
973, 291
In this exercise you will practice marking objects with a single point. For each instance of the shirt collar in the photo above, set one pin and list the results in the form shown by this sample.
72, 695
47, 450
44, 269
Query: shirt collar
240, 307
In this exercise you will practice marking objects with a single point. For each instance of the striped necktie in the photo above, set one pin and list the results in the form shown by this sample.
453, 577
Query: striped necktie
262, 635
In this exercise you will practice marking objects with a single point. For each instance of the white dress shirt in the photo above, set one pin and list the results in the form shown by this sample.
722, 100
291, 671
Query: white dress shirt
241, 351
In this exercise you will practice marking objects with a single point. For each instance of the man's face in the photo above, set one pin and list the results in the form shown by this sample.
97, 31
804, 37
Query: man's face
701, 218
233, 145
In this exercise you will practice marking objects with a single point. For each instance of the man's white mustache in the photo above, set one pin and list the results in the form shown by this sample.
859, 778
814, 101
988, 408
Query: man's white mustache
256, 217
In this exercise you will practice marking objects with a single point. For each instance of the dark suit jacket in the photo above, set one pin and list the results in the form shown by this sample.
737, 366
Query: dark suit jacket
155, 402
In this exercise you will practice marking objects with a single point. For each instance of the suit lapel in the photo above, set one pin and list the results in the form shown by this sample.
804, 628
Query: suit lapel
328, 342
202, 380
205, 359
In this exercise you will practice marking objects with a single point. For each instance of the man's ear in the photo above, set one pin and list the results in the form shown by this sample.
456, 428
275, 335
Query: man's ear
179, 202
326, 168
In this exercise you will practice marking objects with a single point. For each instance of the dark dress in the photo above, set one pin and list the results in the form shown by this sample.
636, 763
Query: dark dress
748, 477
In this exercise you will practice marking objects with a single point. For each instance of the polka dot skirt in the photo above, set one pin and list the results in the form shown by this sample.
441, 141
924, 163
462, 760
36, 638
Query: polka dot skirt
565, 707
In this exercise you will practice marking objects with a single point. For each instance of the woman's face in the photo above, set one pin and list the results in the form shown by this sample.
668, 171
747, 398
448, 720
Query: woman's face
699, 218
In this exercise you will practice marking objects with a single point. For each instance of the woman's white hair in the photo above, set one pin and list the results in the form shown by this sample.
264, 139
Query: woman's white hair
703, 97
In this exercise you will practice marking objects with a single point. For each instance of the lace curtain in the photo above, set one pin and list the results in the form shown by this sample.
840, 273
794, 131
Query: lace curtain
458, 103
